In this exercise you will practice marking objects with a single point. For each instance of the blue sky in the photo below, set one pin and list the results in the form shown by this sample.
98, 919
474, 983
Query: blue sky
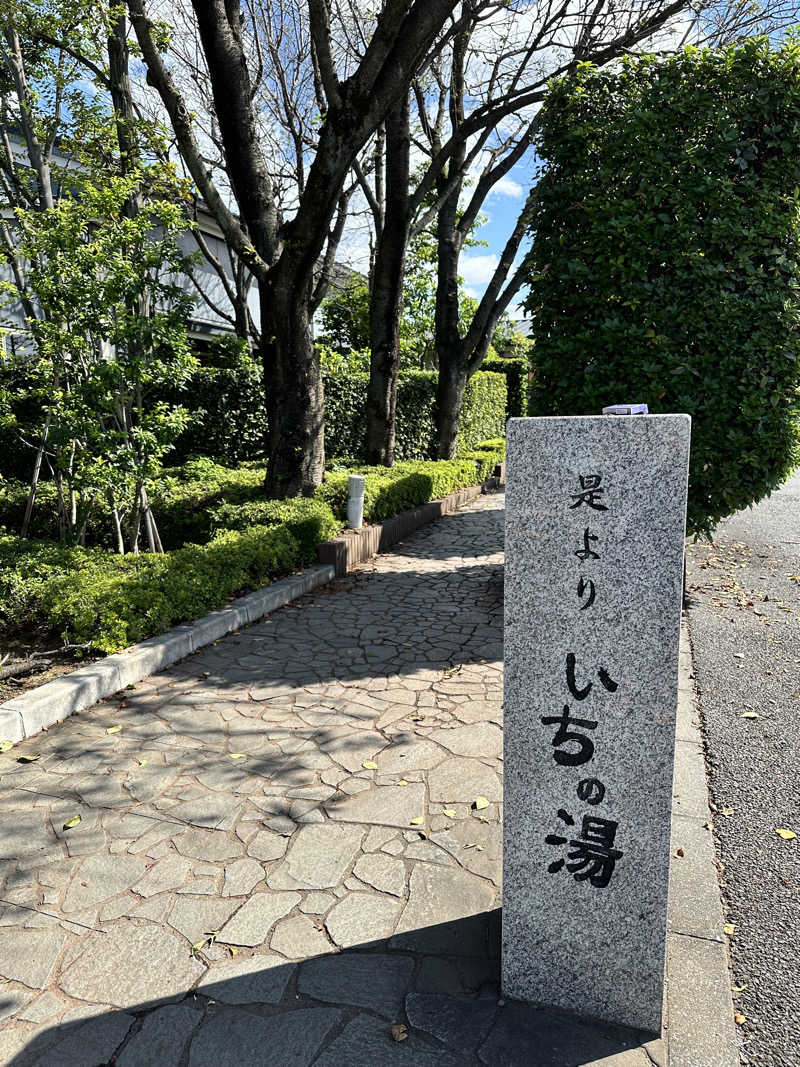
502, 208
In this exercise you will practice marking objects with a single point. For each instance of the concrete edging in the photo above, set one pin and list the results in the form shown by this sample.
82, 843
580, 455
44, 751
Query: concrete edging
699, 1024
27, 715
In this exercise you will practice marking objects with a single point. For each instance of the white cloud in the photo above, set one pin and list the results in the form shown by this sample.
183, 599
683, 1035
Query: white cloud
478, 270
507, 187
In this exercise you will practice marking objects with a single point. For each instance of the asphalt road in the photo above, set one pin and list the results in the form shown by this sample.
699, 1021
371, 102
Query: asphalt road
744, 620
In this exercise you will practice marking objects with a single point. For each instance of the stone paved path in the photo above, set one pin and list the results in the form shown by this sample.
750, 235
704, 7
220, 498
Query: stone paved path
281, 853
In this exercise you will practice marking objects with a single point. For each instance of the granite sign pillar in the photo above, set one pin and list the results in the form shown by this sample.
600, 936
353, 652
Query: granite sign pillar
595, 524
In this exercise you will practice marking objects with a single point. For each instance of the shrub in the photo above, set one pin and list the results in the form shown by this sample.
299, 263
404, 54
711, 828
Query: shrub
516, 373
664, 267
408, 484
308, 521
112, 601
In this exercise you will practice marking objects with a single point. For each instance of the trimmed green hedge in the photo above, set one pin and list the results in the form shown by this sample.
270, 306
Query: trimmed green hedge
388, 491
482, 416
516, 371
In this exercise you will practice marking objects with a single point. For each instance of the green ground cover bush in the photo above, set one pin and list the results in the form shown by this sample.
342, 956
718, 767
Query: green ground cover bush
94, 596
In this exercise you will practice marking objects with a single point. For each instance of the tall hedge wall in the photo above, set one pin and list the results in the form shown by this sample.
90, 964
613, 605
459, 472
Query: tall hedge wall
516, 371
231, 428
665, 266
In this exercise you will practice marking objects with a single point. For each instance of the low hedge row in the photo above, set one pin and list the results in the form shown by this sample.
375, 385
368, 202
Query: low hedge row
109, 601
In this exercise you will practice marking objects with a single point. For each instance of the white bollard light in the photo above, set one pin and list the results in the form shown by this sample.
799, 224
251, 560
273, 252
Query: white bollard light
355, 502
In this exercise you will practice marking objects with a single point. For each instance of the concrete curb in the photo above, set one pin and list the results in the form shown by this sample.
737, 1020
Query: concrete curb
699, 1028
26, 715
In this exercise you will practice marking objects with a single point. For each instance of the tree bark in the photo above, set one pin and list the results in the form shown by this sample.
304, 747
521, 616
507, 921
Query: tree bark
293, 387
452, 380
386, 293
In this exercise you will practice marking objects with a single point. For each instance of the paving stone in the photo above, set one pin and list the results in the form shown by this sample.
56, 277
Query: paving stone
267, 846
257, 980
146, 783
317, 903
367, 1042
382, 872
479, 711
480, 739
92, 1043
463, 780
234, 1038
13, 999
440, 895
407, 755
99, 877
252, 923
196, 918
147, 963
362, 917
47, 1006
163, 1038
472, 832
169, 873
558, 1040
28, 956
387, 805
208, 845
351, 748
378, 836
299, 938
241, 877
25, 830
318, 857
368, 980
428, 852
459, 1022
156, 835
212, 810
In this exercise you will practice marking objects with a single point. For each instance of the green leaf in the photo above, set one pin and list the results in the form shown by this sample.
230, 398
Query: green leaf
71, 823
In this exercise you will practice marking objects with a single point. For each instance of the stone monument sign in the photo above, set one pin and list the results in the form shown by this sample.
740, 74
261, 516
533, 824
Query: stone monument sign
595, 525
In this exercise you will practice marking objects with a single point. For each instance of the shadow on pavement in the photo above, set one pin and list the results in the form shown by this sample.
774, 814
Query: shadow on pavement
441, 982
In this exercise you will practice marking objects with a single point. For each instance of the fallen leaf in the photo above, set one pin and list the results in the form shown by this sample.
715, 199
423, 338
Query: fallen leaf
727, 811
68, 825
234, 951
739, 988
401, 782
749, 715
739, 1018
237, 755
450, 813
787, 835
729, 929
480, 803
479, 848
369, 765
472, 844
418, 820
142, 762
399, 1032
6, 745
28, 759
114, 729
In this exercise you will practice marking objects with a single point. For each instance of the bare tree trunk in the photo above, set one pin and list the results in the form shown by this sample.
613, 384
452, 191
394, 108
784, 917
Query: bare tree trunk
452, 380
386, 293
117, 525
293, 389
37, 468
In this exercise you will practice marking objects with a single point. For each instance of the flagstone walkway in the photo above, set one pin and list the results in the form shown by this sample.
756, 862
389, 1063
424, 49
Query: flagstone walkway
288, 844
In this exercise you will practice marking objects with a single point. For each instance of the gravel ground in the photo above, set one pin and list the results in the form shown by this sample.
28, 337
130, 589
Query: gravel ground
745, 627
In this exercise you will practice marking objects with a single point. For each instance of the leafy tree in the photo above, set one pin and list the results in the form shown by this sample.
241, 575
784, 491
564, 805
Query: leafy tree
666, 257
97, 355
